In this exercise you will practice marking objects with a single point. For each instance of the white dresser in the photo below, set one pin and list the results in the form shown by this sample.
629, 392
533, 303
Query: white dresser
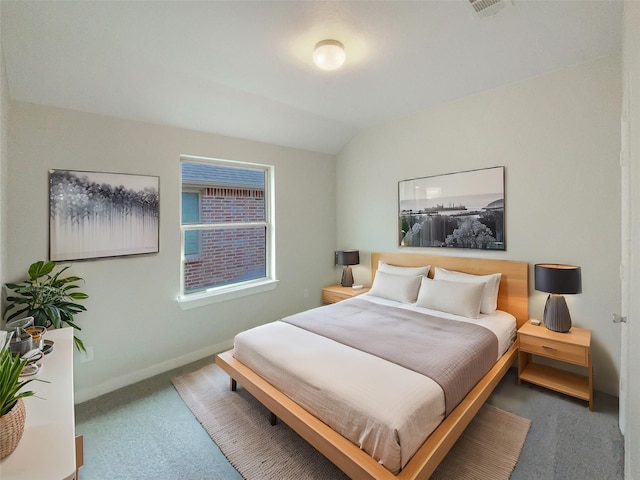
47, 450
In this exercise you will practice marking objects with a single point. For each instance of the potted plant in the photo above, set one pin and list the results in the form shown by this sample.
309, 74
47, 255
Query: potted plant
49, 298
12, 410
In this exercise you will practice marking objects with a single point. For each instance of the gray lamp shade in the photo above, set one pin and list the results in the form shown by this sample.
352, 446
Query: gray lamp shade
346, 258
557, 280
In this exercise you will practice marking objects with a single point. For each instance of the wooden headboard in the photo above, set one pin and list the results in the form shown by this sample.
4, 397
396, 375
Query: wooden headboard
513, 296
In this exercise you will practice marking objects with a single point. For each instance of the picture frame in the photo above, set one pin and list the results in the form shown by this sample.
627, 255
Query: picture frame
454, 210
96, 215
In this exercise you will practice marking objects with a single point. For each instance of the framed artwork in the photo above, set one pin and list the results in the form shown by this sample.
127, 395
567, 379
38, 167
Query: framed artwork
456, 210
95, 215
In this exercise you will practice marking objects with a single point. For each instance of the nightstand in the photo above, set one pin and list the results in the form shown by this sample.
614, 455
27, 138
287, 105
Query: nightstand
335, 293
572, 347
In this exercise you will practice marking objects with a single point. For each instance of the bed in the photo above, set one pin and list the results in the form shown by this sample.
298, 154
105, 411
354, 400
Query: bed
420, 462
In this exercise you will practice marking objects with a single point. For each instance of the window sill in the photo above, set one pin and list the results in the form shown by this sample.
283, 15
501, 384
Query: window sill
201, 299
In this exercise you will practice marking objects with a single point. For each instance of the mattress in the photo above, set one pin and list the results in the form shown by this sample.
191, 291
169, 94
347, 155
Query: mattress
385, 409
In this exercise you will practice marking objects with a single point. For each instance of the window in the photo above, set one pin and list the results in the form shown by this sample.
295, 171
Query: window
226, 226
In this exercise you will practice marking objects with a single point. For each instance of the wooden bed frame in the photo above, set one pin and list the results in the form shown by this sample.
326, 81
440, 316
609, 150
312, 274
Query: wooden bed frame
512, 297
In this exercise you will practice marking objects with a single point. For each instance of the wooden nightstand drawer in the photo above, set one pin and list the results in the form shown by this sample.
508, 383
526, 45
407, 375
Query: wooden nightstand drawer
546, 347
329, 296
337, 293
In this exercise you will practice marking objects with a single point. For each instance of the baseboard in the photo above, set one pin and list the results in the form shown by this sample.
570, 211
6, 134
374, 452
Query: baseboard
144, 373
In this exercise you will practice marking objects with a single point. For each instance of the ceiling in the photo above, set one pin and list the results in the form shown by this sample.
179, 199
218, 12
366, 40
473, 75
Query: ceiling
244, 69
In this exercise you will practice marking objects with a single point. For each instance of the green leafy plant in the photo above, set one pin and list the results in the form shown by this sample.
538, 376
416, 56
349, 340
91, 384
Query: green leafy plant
49, 298
10, 369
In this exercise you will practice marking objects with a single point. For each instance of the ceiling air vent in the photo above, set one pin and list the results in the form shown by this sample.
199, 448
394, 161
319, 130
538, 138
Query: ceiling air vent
485, 8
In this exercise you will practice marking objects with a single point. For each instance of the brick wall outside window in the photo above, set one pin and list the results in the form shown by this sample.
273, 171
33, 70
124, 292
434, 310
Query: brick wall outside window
228, 255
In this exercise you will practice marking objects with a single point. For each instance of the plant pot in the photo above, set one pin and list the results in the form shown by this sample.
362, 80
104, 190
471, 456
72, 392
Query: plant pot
12, 428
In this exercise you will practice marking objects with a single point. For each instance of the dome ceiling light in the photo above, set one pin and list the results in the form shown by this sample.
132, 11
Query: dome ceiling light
329, 55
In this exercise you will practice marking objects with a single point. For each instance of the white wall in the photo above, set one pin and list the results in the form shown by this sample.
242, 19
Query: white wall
631, 146
133, 321
558, 135
4, 108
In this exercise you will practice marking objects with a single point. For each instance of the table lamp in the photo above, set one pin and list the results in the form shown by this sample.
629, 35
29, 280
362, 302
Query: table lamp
557, 280
346, 258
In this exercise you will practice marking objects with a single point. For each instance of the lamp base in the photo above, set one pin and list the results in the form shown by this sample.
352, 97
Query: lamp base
347, 277
556, 314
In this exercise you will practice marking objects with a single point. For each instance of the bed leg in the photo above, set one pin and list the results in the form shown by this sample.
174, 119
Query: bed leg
233, 384
273, 420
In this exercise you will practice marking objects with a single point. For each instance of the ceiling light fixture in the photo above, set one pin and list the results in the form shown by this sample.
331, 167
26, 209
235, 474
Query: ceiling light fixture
329, 55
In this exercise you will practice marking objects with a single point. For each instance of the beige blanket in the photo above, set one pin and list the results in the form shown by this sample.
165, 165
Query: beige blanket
456, 355
385, 409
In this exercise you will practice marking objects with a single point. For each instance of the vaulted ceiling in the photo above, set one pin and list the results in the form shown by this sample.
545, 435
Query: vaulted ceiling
244, 69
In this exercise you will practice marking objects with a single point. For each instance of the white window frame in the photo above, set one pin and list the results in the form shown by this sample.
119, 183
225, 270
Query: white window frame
240, 289
199, 192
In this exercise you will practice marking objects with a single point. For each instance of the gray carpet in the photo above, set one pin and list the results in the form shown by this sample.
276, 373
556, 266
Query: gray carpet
146, 432
488, 449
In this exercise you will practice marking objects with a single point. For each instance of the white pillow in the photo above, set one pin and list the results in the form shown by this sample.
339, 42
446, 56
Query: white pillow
459, 298
397, 270
401, 288
491, 285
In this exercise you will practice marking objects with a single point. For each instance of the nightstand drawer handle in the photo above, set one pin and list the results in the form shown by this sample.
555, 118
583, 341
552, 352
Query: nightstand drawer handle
548, 348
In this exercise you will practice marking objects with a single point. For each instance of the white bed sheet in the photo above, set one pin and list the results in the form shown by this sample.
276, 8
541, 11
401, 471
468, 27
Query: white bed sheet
385, 409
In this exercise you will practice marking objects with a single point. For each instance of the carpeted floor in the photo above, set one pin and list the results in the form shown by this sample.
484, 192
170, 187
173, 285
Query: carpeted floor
146, 432
488, 449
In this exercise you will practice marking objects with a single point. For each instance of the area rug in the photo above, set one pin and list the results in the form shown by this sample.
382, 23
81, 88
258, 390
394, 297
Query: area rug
488, 449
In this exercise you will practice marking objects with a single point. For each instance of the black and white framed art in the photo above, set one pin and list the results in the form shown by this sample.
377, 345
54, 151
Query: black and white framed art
95, 215
455, 210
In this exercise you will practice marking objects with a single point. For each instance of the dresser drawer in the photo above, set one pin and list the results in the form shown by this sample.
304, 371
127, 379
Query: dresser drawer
545, 347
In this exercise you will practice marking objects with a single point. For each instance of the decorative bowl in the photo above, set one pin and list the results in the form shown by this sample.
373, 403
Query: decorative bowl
16, 324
